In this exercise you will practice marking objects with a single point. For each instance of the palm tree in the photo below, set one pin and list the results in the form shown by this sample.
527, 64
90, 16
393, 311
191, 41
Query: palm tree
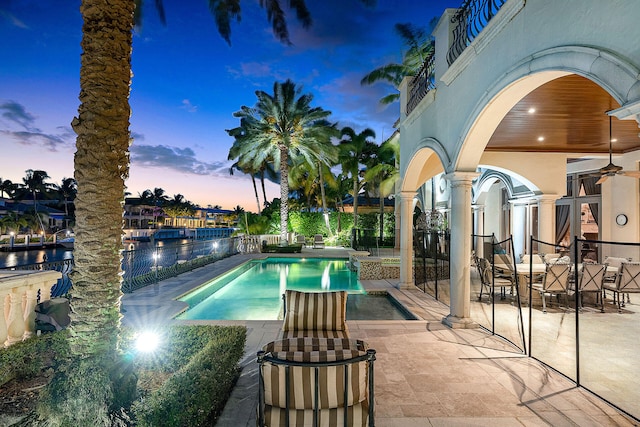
382, 176
158, 198
12, 222
178, 206
6, 188
67, 190
283, 127
420, 46
243, 167
356, 150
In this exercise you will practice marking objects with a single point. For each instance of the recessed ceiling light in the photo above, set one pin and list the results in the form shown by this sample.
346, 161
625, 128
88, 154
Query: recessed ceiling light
541, 138
614, 139
531, 110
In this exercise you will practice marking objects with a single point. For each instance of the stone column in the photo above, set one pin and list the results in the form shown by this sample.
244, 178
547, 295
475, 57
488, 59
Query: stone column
547, 217
406, 239
460, 252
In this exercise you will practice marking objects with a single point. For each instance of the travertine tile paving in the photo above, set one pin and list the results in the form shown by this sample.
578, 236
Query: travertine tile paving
425, 373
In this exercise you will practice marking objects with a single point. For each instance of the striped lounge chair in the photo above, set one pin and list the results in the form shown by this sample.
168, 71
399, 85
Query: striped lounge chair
316, 376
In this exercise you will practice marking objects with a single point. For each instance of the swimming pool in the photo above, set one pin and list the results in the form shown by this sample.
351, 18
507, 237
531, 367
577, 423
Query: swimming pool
254, 290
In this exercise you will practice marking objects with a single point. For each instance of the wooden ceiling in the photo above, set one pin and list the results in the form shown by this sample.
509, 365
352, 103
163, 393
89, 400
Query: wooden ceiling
570, 116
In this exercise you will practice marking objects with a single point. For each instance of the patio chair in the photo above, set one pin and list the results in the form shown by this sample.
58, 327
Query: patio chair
555, 282
490, 282
318, 241
316, 382
316, 375
591, 280
301, 240
628, 281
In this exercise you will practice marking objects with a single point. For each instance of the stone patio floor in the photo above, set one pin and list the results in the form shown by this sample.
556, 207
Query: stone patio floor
425, 373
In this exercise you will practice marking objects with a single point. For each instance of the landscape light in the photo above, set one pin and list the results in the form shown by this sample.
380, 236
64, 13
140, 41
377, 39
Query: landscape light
147, 342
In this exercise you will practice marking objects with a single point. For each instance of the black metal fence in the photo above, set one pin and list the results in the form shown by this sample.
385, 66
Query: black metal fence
142, 267
581, 306
431, 262
496, 302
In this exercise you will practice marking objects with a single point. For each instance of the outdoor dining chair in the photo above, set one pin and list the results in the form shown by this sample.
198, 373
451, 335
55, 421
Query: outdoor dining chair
555, 282
591, 280
628, 281
490, 282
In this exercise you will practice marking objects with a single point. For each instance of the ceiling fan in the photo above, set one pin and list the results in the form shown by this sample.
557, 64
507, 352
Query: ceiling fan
611, 169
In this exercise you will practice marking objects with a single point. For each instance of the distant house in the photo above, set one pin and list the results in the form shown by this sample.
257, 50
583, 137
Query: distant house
368, 204
52, 219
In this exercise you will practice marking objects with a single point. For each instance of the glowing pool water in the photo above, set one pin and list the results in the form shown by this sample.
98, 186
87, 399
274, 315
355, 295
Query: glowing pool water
254, 290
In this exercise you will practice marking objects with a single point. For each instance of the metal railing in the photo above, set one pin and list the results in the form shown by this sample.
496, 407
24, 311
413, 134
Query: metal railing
142, 267
431, 262
422, 83
151, 265
471, 19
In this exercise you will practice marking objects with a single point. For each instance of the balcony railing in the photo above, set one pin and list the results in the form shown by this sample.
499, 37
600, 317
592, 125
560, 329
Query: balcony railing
471, 18
421, 84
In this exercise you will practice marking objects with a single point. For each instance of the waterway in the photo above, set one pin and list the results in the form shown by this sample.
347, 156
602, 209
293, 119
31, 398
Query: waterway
34, 256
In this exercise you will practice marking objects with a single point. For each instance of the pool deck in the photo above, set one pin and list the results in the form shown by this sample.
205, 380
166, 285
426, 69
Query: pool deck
425, 373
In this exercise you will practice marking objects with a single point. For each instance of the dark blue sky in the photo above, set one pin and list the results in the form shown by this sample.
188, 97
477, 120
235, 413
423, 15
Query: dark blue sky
188, 82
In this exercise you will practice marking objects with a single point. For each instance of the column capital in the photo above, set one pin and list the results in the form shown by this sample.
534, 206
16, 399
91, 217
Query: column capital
461, 178
477, 207
403, 195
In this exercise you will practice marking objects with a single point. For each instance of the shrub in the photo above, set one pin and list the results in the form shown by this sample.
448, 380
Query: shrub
206, 369
30, 358
78, 395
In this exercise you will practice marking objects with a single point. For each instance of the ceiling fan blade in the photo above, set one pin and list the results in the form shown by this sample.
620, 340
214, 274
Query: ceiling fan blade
634, 174
602, 179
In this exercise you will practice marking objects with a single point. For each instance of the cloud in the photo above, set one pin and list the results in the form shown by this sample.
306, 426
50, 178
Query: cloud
187, 105
13, 19
19, 125
352, 103
16, 113
178, 159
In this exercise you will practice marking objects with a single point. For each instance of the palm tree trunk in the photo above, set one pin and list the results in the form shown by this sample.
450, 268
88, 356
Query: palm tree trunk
284, 195
356, 185
324, 201
264, 191
101, 164
255, 190
381, 218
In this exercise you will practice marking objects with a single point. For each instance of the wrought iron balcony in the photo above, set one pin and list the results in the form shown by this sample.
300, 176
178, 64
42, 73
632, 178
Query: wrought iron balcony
471, 18
422, 83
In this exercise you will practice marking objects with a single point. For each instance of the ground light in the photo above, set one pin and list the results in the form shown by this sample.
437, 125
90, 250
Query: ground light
147, 342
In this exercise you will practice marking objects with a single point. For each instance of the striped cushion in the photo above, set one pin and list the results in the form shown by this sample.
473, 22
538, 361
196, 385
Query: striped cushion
302, 379
316, 334
302, 385
306, 344
357, 415
315, 311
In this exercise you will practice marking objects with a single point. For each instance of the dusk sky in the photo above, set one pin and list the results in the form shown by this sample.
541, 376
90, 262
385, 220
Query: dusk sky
188, 82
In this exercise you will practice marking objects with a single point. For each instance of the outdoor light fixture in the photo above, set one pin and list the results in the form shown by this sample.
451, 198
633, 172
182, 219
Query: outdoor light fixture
147, 342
